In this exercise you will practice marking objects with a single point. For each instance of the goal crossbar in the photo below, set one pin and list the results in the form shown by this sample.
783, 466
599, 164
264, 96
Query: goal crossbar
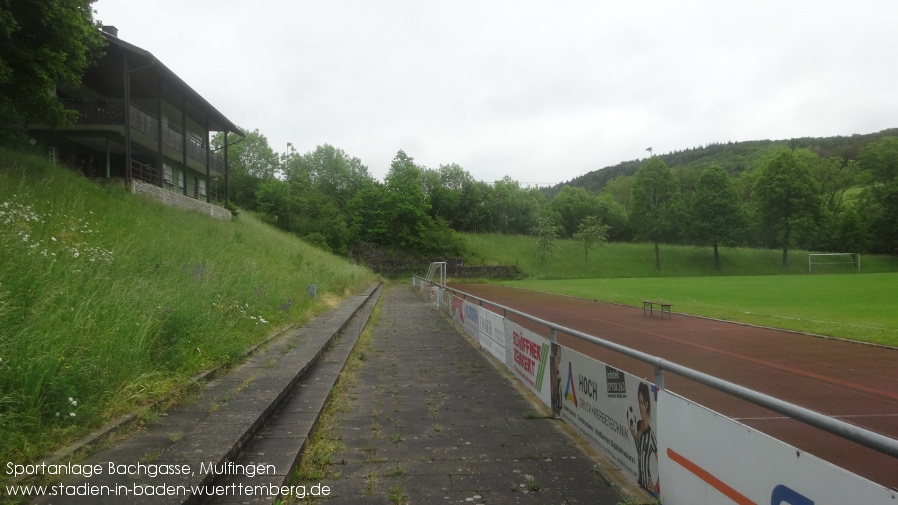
437, 269
855, 260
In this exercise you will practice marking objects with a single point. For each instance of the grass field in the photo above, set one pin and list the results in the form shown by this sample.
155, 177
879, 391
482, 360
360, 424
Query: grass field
638, 260
858, 307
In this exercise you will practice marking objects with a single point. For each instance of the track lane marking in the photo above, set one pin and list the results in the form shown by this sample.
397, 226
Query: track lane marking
797, 371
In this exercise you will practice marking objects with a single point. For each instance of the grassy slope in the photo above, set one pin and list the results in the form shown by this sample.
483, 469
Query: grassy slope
750, 287
109, 301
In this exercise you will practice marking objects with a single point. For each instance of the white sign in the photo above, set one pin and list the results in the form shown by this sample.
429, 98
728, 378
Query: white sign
492, 333
472, 320
527, 356
458, 310
615, 411
707, 458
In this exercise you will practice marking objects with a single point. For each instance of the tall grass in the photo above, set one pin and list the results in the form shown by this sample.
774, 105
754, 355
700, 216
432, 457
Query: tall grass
109, 301
617, 260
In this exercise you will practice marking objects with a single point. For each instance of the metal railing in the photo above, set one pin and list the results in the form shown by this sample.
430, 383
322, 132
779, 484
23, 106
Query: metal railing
861, 436
112, 112
144, 172
151, 175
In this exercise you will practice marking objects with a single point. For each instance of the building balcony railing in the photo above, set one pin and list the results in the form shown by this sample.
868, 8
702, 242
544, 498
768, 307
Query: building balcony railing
112, 112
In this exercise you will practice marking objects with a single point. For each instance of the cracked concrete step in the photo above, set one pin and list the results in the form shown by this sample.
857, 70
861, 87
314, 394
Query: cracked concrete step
281, 441
212, 429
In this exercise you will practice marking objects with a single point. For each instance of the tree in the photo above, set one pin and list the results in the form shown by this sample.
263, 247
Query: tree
407, 206
833, 179
787, 198
572, 204
850, 234
515, 208
274, 202
251, 162
545, 233
327, 170
716, 215
43, 44
620, 189
880, 159
591, 233
368, 211
656, 205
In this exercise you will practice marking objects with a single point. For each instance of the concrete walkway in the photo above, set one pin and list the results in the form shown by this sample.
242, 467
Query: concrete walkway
429, 419
432, 420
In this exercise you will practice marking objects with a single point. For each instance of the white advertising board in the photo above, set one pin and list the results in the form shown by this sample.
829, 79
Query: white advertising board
458, 310
472, 320
706, 458
527, 356
446, 301
615, 411
492, 333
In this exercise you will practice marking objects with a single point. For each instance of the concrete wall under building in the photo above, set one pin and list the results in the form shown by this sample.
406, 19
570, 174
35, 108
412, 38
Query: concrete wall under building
178, 200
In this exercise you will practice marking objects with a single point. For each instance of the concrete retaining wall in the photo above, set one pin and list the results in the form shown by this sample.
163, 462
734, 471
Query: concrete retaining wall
178, 200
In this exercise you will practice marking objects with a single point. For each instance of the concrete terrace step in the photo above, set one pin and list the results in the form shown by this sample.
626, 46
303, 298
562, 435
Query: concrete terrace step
212, 430
282, 440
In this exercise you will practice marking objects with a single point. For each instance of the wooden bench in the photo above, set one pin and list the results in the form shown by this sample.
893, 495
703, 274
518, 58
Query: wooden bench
648, 305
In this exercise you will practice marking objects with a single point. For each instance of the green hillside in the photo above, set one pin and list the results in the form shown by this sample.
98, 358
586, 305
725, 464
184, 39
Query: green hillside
109, 301
735, 157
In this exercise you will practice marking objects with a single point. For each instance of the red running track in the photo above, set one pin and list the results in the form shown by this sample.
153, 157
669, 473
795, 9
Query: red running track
857, 383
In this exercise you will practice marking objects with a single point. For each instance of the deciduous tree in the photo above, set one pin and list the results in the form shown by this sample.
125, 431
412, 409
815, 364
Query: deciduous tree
716, 214
43, 44
407, 206
656, 205
787, 198
251, 161
591, 233
545, 232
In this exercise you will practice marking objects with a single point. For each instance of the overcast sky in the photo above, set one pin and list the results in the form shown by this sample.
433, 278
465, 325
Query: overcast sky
539, 91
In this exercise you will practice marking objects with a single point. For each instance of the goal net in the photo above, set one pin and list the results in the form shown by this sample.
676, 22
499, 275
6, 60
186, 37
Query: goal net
840, 260
436, 273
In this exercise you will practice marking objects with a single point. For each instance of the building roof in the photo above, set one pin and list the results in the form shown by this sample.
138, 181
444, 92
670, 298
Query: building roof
147, 71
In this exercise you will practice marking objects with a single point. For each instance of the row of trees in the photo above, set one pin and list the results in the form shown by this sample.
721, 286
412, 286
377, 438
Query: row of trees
786, 198
329, 198
792, 197
764, 193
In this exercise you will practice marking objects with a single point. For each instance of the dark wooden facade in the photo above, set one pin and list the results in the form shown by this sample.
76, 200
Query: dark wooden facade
138, 120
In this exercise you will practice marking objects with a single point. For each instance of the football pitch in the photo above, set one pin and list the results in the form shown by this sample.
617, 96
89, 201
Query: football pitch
861, 307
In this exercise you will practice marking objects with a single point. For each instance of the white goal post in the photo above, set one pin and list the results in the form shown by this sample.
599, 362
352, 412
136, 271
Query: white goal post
437, 268
833, 259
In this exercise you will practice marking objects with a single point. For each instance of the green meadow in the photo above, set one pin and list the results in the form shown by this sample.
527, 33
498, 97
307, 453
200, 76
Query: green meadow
616, 260
858, 307
111, 302
751, 286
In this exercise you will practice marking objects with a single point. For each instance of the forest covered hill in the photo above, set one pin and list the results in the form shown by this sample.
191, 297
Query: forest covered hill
734, 157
